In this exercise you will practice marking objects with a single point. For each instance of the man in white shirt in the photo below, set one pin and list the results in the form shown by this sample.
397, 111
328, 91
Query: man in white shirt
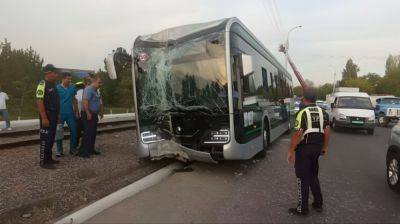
3, 109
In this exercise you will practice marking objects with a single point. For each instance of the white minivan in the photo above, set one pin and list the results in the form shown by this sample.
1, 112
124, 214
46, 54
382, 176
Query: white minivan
352, 110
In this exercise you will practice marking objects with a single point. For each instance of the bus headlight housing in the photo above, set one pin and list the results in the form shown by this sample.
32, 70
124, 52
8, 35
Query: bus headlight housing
218, 137
150, 137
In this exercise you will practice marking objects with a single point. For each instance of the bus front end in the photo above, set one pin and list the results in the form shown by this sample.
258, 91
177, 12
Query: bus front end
181, 97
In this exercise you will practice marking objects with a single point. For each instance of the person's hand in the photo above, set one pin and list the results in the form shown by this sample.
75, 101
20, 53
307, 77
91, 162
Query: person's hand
77, 115
45, 122
89, 116
290, 157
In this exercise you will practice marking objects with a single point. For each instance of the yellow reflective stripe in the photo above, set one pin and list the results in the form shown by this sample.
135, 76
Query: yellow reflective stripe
298, 119
40, 90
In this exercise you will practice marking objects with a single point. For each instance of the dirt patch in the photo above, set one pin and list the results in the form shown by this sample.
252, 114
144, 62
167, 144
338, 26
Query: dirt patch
30, 194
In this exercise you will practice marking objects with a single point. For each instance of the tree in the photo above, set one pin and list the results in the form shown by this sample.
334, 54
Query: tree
298, 91
392, 64
350, 71
20, 71
361, 83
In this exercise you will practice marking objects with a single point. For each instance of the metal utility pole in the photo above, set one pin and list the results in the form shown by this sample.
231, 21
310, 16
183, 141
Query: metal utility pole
284, 48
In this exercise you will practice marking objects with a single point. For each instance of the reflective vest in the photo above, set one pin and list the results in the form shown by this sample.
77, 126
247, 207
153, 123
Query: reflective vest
318, 116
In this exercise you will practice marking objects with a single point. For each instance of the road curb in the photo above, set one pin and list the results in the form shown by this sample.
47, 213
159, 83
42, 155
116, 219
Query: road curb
95, 208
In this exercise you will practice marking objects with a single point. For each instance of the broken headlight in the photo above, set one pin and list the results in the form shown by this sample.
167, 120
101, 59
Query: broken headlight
150, 137
221, 137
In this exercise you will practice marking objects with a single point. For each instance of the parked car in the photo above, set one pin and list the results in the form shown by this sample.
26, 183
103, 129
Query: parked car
352, 110
393, 159
387, 109
322, 104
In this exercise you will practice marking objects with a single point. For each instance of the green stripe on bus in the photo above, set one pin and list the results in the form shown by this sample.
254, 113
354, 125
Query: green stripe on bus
253, 131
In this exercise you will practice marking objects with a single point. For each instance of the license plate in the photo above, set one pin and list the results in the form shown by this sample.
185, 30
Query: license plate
357, 122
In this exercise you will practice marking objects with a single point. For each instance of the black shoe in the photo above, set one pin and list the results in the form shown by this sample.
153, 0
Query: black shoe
317, 208
74, 153
84, 156
60, 155
294, 211
53, 161
95, 152
48, 166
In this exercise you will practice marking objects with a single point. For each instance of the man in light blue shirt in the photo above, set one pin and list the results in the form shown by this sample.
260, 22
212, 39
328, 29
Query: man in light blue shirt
68, 112
90, 116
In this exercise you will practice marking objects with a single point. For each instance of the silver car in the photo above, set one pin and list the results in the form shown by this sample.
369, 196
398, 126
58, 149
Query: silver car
393, 158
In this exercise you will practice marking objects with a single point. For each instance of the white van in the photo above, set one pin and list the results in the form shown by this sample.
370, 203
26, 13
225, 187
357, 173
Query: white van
352, 110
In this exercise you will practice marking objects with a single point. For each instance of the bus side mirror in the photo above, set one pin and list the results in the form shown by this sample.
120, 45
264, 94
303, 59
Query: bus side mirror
110, 66
332, 105
378, 100
247, 64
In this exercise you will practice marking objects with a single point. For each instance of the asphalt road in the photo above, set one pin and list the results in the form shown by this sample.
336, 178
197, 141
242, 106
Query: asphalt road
352, 176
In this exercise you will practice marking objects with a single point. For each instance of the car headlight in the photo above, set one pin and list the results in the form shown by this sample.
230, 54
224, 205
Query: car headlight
221, 137
342, 117
150, 137
372, 118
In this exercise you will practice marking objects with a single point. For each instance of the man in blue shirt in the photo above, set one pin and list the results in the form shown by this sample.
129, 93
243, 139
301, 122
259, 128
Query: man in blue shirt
90, 115
68, 112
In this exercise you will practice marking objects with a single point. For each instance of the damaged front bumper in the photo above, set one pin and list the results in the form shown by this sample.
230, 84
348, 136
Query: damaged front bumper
171, 149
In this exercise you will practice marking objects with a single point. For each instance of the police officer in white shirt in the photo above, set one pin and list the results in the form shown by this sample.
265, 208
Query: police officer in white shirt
3, 109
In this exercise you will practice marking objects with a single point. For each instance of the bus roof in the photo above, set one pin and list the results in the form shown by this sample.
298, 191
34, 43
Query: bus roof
187, 32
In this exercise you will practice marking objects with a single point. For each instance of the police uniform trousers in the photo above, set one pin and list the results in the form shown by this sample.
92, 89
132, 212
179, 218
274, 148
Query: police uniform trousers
306, 166
47, 136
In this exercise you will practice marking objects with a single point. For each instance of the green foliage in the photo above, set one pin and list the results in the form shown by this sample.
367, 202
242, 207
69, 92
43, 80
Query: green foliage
20, 71
350, 71
361, 83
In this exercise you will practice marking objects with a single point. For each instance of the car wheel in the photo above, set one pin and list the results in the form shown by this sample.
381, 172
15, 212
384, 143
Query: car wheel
334, 126
370, 131
392, 173
382, 121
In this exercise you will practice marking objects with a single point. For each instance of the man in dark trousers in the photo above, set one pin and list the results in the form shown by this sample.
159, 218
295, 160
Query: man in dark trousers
308, 142
90, 116
48, 103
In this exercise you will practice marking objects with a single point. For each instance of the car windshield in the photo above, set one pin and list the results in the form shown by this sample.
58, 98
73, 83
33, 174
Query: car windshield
354, 102
390, 100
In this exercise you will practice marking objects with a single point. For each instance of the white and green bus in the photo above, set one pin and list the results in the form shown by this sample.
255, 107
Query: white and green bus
207, 92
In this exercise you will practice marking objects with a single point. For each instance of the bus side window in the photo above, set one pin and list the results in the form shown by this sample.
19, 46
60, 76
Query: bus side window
265, 78
272, 81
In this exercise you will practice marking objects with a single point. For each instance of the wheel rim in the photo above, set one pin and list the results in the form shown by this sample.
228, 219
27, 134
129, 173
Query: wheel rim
265, 137
381, 120
393, 172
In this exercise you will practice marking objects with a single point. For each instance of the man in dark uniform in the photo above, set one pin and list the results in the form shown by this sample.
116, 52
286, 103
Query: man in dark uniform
48, 103
309, 142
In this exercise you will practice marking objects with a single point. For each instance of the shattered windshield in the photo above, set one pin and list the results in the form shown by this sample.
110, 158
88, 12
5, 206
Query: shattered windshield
188, 77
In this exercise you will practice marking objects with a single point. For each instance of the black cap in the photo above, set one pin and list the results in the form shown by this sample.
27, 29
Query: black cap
310, 94
49, 68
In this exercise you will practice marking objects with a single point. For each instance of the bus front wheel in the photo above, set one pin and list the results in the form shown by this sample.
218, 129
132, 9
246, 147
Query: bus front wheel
266, 143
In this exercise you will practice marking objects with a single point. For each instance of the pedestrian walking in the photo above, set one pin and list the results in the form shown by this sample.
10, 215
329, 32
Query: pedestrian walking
3, 109
90, 117
68, 111
308, 142
48, 103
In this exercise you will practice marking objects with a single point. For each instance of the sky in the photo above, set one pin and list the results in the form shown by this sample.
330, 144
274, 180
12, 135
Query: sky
79, 34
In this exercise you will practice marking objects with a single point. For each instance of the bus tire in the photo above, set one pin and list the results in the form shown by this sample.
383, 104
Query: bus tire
266, 142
